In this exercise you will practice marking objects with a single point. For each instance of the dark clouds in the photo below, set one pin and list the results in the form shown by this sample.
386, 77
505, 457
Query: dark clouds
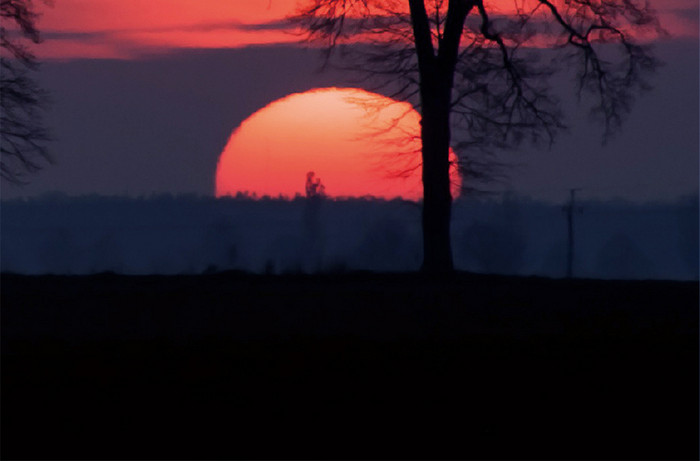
157, 124
279, 25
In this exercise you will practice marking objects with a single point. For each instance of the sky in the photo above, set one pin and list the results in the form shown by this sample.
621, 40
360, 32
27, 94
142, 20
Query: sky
145, 95
127, 28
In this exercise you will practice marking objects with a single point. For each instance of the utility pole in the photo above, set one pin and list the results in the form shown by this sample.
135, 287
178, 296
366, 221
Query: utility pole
569, 209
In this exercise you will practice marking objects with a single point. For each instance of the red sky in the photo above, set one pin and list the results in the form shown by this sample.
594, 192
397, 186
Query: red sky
129, 28
125, 28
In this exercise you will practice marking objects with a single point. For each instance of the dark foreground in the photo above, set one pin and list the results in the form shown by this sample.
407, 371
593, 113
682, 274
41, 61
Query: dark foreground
348, 366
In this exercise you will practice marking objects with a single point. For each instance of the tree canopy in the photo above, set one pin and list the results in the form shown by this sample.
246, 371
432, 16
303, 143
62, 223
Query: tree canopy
479, 73
500, 55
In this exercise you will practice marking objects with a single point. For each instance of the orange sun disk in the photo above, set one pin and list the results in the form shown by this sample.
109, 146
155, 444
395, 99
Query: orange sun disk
356, 142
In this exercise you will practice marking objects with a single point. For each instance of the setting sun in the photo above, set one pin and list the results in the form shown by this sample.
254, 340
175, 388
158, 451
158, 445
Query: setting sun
357, 143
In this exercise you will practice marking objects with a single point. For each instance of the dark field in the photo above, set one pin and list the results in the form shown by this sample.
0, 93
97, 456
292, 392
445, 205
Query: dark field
348, 366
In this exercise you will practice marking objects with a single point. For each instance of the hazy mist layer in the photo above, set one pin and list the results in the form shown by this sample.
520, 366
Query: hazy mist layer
504, 235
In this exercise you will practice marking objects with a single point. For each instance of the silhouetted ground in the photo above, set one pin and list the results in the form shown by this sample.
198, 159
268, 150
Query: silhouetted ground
348, 366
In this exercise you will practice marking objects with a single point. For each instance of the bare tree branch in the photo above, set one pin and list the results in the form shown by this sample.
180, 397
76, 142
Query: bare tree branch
501, 94
22, 135
481, 78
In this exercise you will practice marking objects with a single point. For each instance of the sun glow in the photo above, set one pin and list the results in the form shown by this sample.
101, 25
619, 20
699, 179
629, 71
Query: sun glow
357, 143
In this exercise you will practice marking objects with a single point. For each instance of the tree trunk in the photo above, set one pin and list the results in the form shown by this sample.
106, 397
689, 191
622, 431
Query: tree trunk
436, 75
437, 199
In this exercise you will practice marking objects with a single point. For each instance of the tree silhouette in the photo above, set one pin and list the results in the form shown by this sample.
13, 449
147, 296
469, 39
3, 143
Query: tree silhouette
479, 75
23, 137
314, 187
